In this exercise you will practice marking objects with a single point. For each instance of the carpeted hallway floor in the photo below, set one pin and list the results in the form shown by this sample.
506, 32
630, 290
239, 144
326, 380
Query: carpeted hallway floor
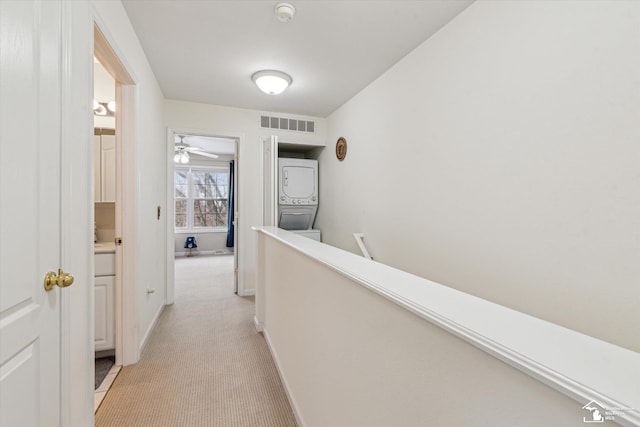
204, 365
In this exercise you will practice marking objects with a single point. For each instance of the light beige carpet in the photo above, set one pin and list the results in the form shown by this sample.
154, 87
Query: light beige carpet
204, 365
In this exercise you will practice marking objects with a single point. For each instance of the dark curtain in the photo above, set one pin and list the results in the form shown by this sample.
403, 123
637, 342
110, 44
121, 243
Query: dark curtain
231, 207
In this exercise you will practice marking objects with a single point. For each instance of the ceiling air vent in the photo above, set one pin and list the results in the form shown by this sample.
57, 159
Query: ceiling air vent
283, 123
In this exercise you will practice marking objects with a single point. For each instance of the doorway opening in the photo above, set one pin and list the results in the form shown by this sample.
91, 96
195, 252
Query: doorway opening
114, 143
202, 179
104, 214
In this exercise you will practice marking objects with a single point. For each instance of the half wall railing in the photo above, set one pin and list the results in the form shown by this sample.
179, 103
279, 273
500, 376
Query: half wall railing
358, 343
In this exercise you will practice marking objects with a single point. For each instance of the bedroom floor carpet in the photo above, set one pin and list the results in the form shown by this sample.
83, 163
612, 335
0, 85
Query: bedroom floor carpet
204, 365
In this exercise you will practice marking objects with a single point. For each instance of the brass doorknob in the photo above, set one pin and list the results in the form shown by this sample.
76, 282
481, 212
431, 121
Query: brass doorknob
62, 279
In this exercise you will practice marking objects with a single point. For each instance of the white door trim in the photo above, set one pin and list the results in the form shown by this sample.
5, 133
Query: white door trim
106, 50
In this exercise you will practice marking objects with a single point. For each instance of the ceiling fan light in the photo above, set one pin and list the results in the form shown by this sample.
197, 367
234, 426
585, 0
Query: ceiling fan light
96, 105
112, 106
271, 82
181, 157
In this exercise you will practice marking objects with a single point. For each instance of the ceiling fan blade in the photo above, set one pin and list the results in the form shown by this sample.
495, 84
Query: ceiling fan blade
202, 153
199, 151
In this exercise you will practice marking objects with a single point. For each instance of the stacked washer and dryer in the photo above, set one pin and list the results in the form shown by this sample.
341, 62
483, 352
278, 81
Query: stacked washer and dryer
298, 196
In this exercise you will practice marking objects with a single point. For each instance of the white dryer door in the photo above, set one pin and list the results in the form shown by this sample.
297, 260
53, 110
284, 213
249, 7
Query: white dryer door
298, 182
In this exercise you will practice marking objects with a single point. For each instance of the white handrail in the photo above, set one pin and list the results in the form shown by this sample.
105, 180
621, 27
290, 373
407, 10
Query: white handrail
360, 241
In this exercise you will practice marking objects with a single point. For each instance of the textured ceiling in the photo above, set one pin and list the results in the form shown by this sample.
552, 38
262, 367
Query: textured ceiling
206, 51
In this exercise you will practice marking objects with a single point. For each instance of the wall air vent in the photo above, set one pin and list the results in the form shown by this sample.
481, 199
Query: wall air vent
287, 124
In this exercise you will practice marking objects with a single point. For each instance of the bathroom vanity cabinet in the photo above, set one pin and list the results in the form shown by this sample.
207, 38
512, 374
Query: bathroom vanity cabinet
104, 291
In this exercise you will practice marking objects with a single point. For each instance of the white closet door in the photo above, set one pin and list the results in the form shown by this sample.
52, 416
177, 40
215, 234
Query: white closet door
30, 219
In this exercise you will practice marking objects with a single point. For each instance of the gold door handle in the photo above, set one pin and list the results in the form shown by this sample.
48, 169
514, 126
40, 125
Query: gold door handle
62, 279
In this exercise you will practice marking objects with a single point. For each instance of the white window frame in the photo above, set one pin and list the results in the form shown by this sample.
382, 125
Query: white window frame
190, 229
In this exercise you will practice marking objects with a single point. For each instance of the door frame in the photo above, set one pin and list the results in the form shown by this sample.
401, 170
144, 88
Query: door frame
170, 252
107, 52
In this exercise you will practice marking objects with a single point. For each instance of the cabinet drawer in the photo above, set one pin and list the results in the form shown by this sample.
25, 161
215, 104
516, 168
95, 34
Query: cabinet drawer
105, 264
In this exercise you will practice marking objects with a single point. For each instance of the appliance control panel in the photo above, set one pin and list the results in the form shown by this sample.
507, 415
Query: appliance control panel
289, 201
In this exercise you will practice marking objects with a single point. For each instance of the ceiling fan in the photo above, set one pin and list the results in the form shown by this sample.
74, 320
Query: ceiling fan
183, 149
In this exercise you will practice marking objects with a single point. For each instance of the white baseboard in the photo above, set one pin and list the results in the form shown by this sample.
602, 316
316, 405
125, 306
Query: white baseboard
257, 324
152, 326
247, 293
196, 253
292, 401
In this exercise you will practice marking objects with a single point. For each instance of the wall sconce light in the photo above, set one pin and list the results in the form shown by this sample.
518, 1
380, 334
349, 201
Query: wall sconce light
104, 108
271, 82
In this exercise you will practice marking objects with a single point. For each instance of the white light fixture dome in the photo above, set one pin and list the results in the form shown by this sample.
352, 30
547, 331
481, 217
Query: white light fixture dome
271, 82
284, 11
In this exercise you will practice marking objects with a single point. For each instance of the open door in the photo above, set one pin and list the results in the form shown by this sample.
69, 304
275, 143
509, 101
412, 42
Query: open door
44, 213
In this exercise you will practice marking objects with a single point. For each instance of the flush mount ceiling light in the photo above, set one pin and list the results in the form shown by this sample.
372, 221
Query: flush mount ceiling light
271, 82
284, 11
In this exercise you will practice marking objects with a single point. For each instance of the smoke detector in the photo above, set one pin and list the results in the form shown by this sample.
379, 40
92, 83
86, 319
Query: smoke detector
284, 11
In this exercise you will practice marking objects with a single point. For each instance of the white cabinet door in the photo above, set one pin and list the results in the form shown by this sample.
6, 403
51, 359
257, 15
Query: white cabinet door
108, 168
97, 176
30, 212
105, 320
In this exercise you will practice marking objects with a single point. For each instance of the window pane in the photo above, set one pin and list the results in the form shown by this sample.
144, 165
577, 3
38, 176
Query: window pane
199, 191
181, 220
181, 207
210, 213
180, 177
181, 191
222, 179
221, 206
199, 212
220, 213
199, 220
198, 177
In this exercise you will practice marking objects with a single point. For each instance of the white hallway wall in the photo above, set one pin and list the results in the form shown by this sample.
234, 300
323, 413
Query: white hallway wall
501, 158
150, 160
228, 121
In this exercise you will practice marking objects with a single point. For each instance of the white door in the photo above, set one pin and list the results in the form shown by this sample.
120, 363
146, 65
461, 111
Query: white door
32, 105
